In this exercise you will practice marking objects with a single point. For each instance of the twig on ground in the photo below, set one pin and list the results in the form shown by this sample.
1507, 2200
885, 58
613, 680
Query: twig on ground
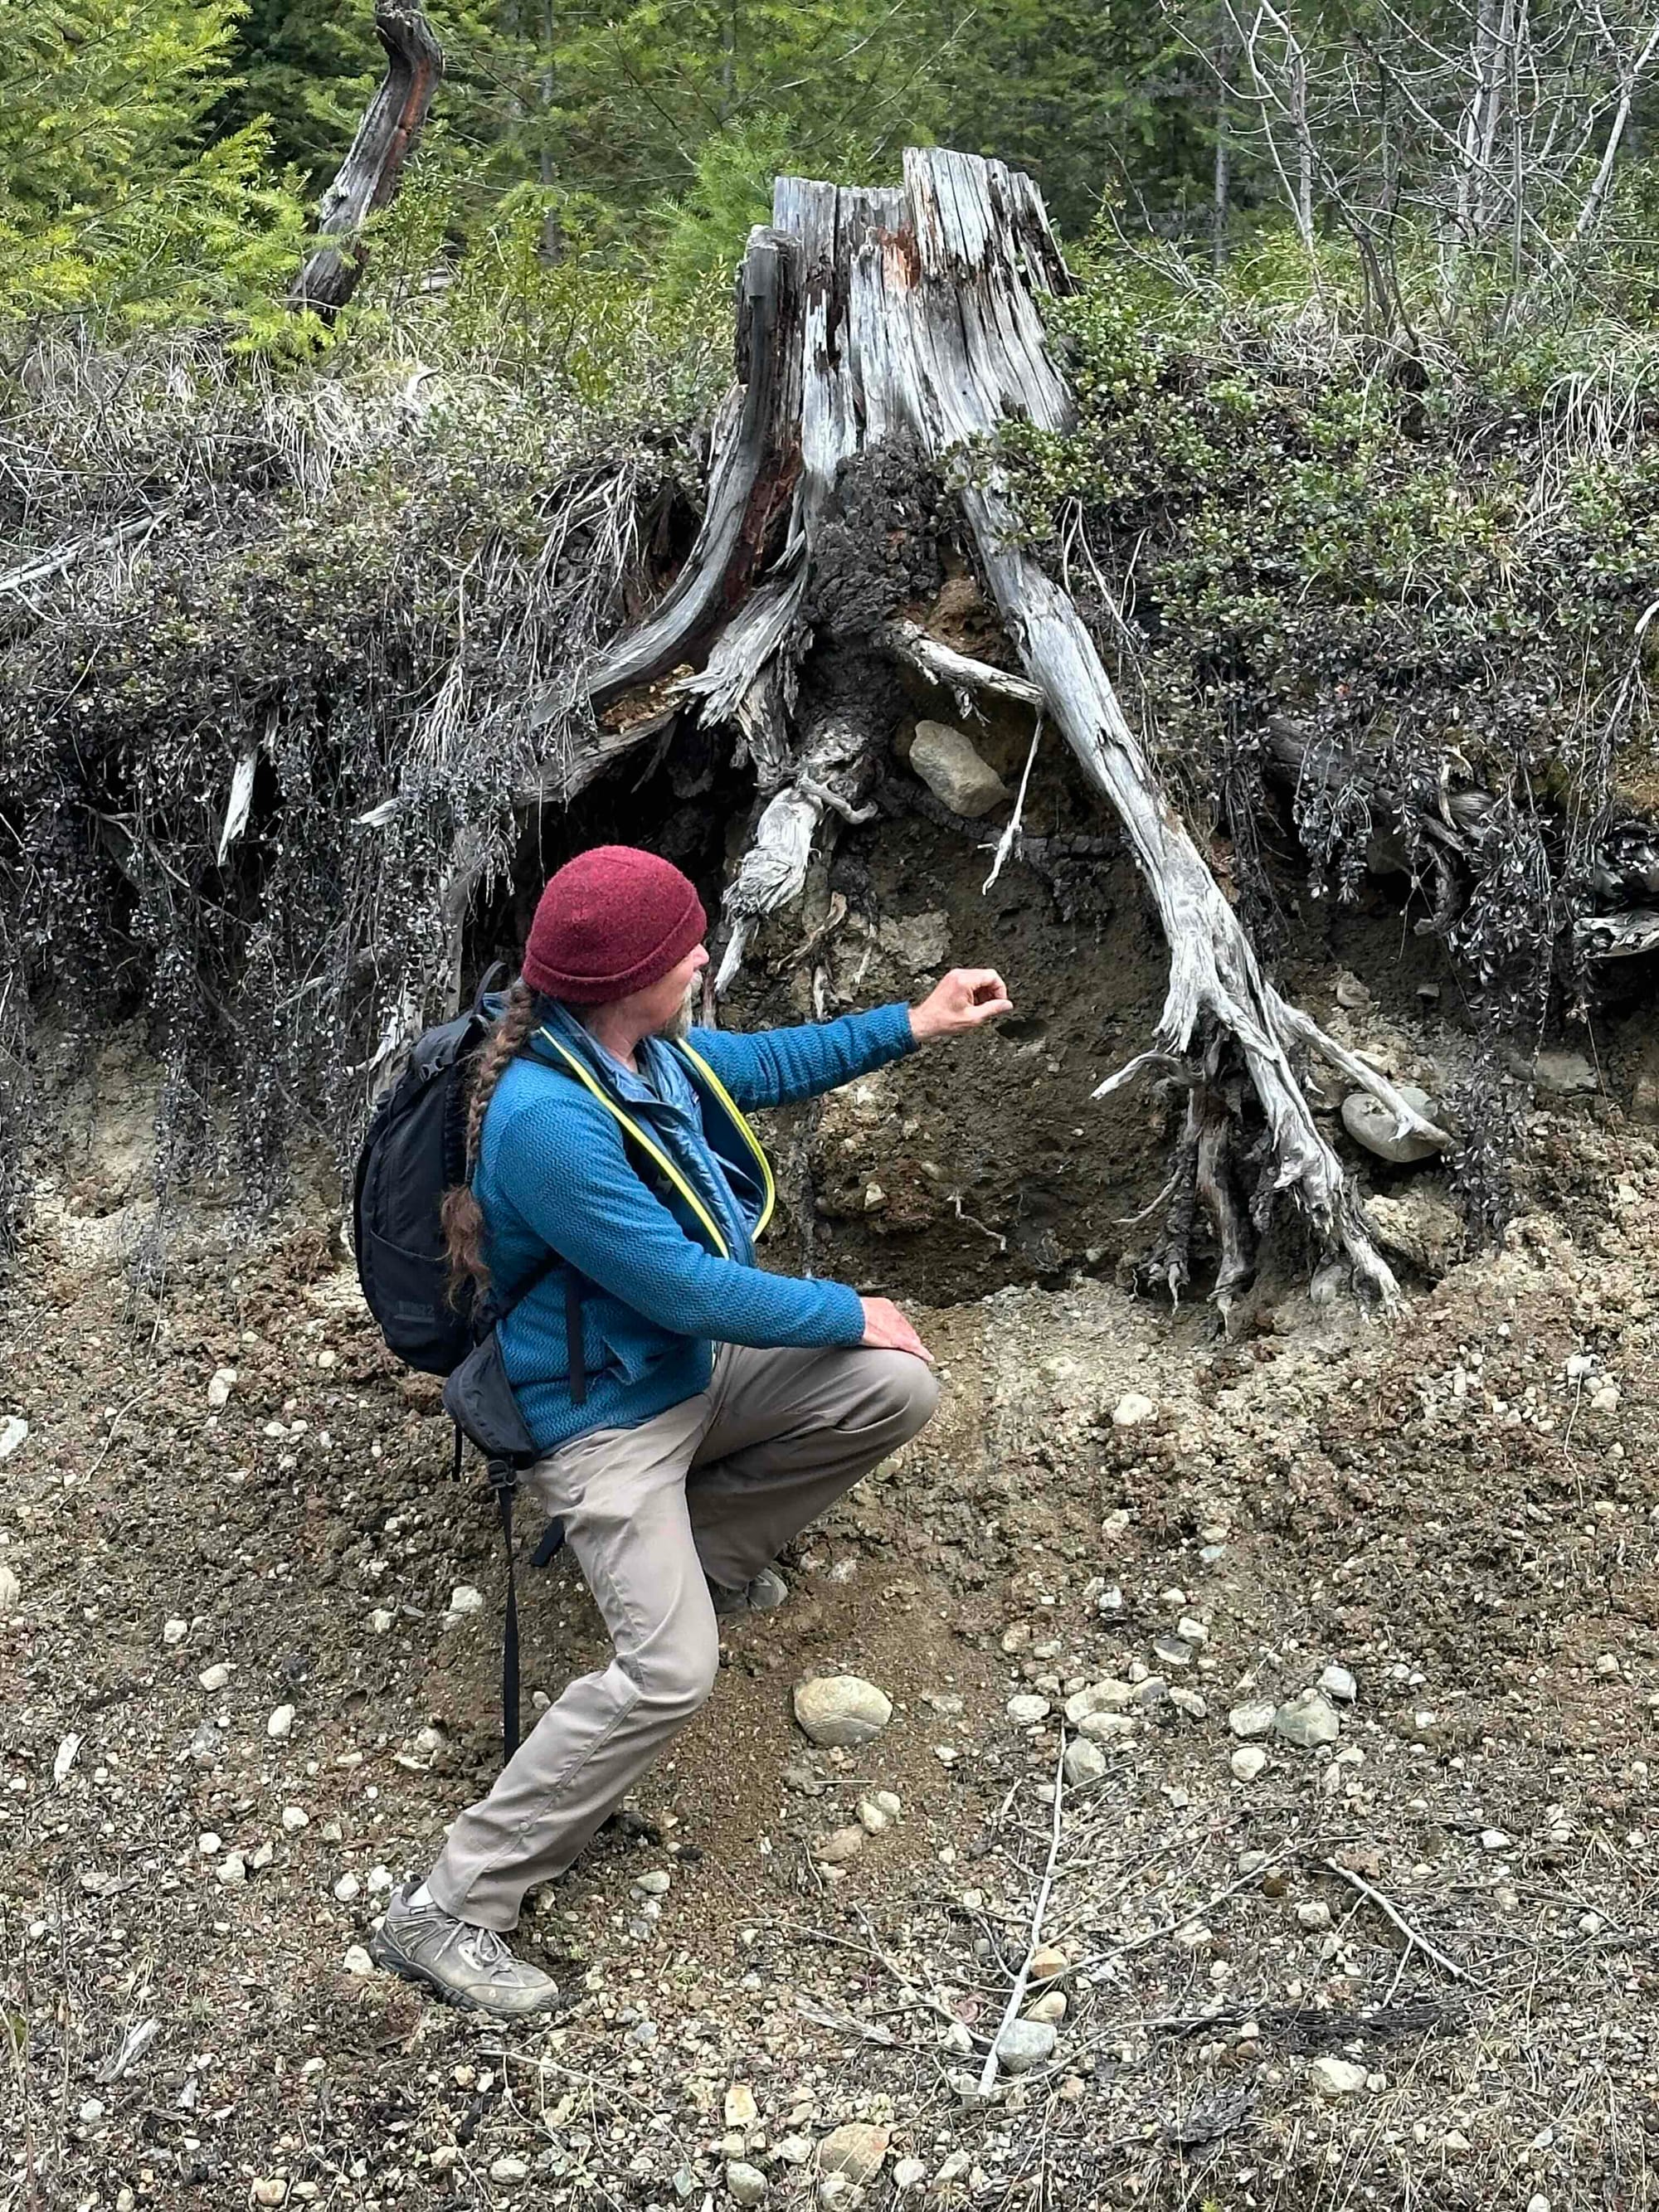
1010, 836
873, 1950
1411, 1936
1199, 1912
974, 1221
1016, 1995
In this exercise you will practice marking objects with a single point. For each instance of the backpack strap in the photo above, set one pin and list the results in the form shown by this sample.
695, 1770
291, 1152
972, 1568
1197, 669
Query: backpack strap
492, 975
504, 1481
652, 1151
734, 1114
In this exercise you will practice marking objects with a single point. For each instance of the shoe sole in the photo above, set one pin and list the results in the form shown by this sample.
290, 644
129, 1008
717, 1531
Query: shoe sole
387, 1953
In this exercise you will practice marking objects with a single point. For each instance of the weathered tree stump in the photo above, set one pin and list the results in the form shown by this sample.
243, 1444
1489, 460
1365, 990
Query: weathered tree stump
914, 314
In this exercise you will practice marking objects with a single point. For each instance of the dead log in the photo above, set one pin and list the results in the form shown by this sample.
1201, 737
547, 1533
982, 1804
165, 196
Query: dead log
917, 314
713, 614
368, 177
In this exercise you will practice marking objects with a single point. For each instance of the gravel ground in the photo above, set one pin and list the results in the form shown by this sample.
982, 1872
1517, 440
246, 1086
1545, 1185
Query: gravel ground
1410, 1964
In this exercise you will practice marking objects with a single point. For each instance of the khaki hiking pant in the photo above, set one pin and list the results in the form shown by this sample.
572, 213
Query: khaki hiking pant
715, 1486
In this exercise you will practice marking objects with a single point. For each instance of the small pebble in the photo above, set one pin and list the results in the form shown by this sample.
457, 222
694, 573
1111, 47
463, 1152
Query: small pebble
280, 1725
173, 1632
841, 1709
215, 1677
1308, 1721
347, 1888
855, 2152
1248, 1762
232, 1870
1085, 1762
1252, 1720
1130, 1410
744, 2184
1336, 2078
1027, 1710
1024, 2044
1108, 1697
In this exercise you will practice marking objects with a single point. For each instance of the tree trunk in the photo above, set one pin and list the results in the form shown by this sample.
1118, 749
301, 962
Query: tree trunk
912, 314
369, 176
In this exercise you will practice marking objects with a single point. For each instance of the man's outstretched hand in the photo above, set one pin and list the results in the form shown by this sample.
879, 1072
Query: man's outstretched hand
961, 1000
885, 1330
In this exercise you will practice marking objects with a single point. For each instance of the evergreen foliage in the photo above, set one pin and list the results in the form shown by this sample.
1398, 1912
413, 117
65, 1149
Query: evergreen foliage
113, 193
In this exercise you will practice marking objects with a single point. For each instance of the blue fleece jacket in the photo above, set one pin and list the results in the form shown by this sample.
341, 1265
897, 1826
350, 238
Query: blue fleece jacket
554, 1174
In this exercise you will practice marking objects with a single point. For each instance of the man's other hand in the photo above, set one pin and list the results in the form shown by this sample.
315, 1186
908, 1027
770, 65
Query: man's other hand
958, 1001
885, 1330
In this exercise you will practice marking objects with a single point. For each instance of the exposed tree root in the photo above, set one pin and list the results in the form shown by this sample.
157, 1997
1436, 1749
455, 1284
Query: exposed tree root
872, 316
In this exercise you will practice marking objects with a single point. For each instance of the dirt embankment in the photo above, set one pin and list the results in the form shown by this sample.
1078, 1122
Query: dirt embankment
1408, 1963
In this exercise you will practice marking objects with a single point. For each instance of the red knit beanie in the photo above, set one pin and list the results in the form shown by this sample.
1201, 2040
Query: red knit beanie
613, 920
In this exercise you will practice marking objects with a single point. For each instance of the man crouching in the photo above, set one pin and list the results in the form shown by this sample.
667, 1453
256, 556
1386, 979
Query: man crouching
693, 1412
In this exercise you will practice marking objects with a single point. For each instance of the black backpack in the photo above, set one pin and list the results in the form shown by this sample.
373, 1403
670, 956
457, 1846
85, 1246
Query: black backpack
413, 1152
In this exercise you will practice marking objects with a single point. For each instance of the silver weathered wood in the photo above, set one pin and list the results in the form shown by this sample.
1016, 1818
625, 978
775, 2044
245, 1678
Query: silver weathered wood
369, 176
917, 313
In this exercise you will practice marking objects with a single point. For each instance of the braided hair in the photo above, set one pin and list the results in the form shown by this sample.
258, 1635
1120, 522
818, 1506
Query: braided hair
462, 1216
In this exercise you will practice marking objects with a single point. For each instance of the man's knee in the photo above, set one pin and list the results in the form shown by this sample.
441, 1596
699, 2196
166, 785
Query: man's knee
906, 1387
674, 1679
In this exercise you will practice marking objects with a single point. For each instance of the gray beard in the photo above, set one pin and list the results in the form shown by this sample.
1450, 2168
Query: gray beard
680, 1029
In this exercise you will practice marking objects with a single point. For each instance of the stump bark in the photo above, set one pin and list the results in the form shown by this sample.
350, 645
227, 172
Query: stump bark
367, 179
914, 313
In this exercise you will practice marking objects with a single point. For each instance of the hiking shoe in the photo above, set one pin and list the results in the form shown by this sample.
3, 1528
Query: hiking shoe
768, 1590
463, 1964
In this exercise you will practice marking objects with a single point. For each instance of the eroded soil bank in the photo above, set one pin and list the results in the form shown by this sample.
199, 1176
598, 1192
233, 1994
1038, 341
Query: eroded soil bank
1451, 1898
